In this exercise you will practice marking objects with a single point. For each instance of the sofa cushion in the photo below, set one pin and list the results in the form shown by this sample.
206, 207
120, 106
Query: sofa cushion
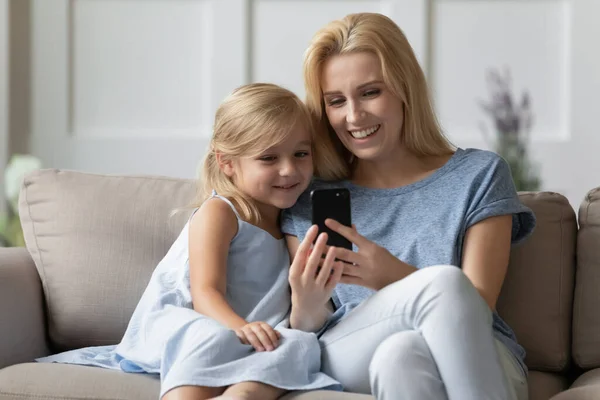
95, 240
45, 381
586, 313
537, 296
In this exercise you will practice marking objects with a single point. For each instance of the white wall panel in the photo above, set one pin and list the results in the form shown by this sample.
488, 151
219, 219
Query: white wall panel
529, 37
139, 69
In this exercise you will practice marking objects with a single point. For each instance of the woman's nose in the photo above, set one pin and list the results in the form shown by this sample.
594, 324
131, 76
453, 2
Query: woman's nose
355, 113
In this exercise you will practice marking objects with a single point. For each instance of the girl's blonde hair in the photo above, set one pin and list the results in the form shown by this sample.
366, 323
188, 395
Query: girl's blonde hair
251, 119
402, 74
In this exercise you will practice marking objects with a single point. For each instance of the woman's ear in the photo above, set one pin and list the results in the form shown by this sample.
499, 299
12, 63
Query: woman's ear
225, 164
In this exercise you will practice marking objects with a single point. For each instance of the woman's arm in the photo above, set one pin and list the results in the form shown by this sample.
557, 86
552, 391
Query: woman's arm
212, 227
486, 252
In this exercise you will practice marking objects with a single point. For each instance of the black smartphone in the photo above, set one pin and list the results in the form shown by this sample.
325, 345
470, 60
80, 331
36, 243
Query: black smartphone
334, 204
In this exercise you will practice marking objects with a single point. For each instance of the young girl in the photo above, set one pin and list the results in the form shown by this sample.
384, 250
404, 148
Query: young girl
213, 318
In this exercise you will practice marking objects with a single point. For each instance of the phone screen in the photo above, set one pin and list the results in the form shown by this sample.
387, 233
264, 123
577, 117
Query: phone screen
334, 204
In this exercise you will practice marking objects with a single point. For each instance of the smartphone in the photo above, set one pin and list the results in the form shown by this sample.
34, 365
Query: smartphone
334, 204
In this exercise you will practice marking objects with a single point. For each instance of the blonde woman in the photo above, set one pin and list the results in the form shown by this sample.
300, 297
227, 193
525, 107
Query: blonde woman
414, 315
214, 318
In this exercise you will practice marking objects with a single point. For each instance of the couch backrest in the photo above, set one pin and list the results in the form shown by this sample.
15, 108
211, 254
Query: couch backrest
586, 317
95, 240
537, 296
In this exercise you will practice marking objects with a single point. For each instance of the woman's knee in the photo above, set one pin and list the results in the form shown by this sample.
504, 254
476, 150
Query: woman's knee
402, 350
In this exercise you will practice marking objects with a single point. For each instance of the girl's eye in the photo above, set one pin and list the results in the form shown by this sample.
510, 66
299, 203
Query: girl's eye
371, 92
302, 154
267, 158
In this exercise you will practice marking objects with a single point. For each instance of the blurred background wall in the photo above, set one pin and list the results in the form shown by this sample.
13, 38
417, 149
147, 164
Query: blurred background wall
131, 86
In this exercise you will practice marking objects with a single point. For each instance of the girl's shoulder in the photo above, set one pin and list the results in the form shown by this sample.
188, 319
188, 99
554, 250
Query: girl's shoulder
217, 215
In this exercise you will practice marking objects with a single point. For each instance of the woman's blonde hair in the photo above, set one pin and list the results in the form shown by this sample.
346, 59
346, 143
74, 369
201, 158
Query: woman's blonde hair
377, 34
251, 119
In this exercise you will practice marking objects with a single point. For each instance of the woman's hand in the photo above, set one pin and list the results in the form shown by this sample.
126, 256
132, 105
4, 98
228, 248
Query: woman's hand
312, 280
259, 335
372, 266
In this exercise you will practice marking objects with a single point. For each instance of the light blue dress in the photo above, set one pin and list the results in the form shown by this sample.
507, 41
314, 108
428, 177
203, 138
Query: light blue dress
166, 336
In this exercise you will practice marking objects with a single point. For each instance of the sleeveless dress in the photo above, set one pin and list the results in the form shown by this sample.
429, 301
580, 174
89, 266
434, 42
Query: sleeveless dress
166, 336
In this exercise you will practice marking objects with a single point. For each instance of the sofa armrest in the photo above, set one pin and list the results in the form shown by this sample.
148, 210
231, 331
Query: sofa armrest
22, 326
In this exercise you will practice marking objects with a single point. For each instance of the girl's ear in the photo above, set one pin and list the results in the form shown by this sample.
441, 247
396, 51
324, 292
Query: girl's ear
226, 165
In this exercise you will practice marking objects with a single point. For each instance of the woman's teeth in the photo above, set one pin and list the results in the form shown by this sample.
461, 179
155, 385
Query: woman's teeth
364, 133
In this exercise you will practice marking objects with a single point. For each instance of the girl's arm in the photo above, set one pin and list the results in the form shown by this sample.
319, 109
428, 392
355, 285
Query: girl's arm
211, 230
486, 252
311, 290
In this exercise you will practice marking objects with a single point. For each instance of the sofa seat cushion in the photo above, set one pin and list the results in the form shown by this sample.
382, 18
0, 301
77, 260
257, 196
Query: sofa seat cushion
586, 387
544, 385
45, 381
61, 381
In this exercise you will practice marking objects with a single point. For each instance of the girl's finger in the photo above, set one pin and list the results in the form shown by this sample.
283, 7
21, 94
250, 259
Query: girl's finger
325, 271
242, 336
334, 279
265, 340
303, 252
271, 333
254, 340
314, 259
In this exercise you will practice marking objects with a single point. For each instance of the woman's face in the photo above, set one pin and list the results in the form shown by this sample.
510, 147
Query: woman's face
366, 116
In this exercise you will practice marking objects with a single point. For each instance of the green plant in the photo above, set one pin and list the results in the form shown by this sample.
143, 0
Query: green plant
512, 122
11, 234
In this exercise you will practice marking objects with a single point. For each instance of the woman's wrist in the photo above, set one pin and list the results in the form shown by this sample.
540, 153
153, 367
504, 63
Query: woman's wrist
398, 271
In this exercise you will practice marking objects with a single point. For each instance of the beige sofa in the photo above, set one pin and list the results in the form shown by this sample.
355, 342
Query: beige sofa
93, 241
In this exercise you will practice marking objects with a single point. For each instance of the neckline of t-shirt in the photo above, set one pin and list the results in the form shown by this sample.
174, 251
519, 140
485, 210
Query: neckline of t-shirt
449, 165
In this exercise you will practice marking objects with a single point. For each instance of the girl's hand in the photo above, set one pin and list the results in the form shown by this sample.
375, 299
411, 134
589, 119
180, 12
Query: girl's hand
259, 335
372, 266
311, 278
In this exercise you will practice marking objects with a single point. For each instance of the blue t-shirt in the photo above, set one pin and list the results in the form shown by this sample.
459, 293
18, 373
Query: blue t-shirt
424, 223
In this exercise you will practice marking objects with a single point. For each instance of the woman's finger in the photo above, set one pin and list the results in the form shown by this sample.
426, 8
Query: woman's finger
349, 233
325, 271
351, 280
352, 270
349, 256
310, 270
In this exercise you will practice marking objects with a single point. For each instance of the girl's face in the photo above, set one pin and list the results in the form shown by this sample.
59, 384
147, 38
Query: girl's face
366, 116
279, 175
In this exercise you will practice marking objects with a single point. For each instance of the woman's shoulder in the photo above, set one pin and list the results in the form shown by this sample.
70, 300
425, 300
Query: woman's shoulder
479, 164
477, 157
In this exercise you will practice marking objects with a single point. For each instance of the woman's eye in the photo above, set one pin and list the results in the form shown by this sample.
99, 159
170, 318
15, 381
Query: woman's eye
371, 92
335, 102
